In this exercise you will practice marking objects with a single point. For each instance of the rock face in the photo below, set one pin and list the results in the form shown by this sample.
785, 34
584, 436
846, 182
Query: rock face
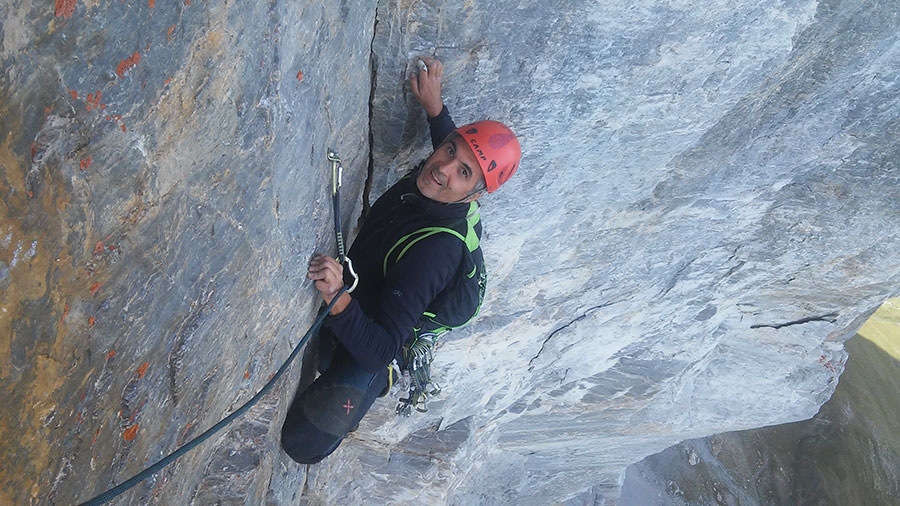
164, 182
848, 453
700, 219
704, 214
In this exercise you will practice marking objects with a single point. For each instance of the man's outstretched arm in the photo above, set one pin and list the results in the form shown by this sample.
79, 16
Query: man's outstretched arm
426, 86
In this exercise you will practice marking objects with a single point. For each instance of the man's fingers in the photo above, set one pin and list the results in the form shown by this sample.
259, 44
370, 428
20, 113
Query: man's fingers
320, 266
436, 69
326, 275
425, 84
431, 62
426, 67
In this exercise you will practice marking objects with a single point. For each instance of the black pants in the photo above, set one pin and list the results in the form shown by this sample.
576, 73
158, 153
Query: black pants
321, 415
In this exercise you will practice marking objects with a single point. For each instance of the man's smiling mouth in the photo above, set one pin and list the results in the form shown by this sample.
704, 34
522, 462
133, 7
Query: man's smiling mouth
435, 178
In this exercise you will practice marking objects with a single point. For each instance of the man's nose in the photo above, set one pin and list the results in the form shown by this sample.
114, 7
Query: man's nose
446, 167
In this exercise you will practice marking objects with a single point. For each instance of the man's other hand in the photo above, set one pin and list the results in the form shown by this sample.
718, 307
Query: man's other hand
426, 85
328, 275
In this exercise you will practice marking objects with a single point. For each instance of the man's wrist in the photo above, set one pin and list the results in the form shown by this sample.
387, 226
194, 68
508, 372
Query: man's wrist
341, 304
439, 112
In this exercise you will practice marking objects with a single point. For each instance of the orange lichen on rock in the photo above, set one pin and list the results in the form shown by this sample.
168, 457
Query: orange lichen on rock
91, 321
130, 433
142, 370
85, 163
127, 64
93, 101
64, 8
95, 288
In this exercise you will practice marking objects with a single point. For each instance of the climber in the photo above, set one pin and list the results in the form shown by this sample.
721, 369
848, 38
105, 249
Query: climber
365, 330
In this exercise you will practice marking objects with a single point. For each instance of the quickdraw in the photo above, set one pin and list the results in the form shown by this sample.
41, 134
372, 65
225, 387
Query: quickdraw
417, 358
337, 171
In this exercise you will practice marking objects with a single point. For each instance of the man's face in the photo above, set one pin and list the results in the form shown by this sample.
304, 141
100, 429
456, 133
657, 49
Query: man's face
450, 173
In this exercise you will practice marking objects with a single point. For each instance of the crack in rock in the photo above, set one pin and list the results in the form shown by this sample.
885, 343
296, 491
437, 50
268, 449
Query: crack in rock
560, 329
186, 330
828, 317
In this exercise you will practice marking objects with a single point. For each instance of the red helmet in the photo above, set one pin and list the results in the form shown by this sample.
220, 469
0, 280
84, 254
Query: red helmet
496, 148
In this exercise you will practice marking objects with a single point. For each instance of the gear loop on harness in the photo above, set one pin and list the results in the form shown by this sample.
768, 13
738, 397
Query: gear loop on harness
417, 358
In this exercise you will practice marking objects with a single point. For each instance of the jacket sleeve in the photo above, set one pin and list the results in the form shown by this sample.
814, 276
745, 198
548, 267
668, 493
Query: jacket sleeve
410, 286
441, 126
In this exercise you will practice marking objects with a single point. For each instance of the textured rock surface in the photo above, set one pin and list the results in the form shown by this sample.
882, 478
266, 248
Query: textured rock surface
849, 453
164, 181
704, 214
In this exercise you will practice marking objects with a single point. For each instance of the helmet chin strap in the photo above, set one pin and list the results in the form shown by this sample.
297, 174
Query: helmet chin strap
468, 198
480, 188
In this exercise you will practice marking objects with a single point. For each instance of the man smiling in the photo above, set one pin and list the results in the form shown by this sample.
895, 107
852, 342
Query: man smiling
447, 175
366, 329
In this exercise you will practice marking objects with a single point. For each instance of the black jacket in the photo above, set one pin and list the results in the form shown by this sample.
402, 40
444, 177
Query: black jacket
384, 309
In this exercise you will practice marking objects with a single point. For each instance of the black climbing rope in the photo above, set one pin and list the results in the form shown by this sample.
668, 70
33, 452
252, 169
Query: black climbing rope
168, 459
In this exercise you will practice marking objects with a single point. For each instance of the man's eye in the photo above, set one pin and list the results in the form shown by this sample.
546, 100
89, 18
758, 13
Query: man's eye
450, 149
465, 172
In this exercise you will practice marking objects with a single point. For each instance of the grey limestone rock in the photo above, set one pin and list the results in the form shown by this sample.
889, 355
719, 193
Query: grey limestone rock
704, 213
164, 181
702, 216
848, 453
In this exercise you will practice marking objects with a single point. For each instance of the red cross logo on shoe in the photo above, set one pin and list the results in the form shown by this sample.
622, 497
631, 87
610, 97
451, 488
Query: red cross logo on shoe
348, 406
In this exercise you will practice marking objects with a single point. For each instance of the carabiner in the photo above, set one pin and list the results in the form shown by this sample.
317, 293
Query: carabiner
337, 172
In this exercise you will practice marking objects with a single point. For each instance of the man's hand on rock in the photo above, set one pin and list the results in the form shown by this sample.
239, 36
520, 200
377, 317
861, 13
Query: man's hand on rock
328, 275
426, 85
